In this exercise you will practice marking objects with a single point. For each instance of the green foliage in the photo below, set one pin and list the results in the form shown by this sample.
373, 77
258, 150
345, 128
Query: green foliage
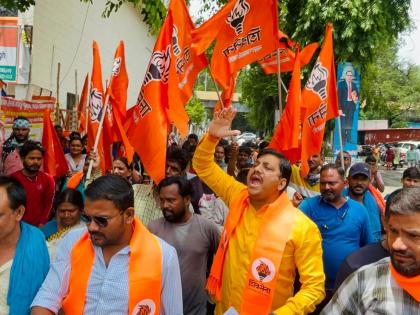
21, 5
393, 90
196, 111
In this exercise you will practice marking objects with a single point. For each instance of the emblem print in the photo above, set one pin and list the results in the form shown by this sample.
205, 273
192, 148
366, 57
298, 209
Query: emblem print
175, 45
95, 104
145, 307
317, 82
236, 17
159, 66
263, 269
116, 66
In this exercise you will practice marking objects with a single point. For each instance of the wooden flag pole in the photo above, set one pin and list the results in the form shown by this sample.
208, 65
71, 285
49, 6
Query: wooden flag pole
98, 135
217, 89
279, 82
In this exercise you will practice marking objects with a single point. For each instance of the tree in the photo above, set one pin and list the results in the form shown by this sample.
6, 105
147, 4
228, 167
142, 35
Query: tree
196, 111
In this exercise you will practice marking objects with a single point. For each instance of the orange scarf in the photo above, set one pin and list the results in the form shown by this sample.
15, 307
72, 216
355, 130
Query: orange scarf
380, 201
75, 180
267, 254
409, 285
144, 273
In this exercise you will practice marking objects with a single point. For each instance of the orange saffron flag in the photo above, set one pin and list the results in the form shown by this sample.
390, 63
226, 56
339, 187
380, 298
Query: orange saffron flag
245, 31
287, 134
227, 95
148, 124
117, 91
75, 180
54, 161
287, 58
82, 108
319, 97
96, 102
185, 66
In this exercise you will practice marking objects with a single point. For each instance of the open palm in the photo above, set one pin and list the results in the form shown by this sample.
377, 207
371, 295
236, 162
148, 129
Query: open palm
222, 121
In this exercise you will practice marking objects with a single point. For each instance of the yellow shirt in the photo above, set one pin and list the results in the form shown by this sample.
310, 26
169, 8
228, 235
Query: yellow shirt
301, 185
303, 251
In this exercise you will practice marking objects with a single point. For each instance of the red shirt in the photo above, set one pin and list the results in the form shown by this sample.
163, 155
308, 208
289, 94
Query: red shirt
40, 191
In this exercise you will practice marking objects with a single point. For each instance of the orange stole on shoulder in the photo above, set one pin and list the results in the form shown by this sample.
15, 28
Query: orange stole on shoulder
144, 273
267, 254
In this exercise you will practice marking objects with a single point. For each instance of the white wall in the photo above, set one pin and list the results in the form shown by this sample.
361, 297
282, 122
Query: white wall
60, 27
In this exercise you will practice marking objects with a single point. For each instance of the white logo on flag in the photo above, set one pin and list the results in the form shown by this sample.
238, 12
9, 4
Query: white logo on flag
317, 82
159, 66
116, 66
95, 104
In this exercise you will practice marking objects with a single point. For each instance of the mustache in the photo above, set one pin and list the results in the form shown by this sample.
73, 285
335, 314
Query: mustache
359, 186
96, 234
401, 253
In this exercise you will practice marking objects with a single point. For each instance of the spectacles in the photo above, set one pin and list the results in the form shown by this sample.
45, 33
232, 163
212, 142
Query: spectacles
100, 221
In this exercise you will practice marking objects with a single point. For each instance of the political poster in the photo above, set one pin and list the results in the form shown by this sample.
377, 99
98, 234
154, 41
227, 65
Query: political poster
9, 34
348, 86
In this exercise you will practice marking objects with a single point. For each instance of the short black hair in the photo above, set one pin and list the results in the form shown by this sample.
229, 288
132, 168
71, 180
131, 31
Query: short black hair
244, 149
178, 155
75, 135
30, 146
193, 136
370, 159
185, 187
114, 188
284, 166
391, 196
71, 195
15, 191
411, 172
405, 202
333, 166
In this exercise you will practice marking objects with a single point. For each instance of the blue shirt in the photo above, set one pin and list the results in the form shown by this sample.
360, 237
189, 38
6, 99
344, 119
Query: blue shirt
344, 230
373, 214
107, 291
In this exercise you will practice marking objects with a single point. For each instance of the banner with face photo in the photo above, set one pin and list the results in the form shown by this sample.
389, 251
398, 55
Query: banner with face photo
348, 88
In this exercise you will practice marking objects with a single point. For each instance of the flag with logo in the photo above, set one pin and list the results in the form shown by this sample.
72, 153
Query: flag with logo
185, 66
227, 94
287, 58
148, 124
96, 102
319, 97
82, 108
117, 91
54, 161
286, 137
245, 31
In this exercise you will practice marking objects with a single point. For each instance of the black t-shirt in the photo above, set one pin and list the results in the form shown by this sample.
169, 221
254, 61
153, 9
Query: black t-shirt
364, 256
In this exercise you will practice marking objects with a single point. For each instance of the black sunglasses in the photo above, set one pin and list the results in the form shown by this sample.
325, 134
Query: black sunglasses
100, 221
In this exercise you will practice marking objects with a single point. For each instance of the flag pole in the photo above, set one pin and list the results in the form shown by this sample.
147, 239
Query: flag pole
279, 82
98, 134
340, 140
217, 89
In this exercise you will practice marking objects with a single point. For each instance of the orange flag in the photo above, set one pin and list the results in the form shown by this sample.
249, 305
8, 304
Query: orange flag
227, 94
245, 31
117, 91
166, 88
96, 102
82, 108
287, 134
319, 97
148, 123
185, 66
287, 58
54, 161
75, 180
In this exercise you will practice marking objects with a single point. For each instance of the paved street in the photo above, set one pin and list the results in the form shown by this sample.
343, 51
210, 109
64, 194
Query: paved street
391, 178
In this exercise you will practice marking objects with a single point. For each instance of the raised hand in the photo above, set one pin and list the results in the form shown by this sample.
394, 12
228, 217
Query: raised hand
222, 121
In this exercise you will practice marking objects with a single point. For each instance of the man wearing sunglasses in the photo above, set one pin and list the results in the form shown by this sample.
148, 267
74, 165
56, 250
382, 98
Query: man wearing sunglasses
116, 266
343, 222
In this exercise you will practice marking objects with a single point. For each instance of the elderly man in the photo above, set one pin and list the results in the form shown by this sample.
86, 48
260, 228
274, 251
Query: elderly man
24, 259
391, 285
266, 240
9, 151
116, 266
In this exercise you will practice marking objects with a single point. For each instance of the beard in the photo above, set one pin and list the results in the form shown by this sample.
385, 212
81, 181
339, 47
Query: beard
357, 193
410, 270
31, 168
329, 196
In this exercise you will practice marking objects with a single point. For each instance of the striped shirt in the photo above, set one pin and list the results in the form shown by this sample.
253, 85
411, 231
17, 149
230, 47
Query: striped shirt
107, 291
372, 290
146, 204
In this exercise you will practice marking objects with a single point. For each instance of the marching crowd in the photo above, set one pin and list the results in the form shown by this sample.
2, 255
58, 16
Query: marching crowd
230, 230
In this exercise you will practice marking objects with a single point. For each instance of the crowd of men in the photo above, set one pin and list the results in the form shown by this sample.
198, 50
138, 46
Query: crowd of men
230, 230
